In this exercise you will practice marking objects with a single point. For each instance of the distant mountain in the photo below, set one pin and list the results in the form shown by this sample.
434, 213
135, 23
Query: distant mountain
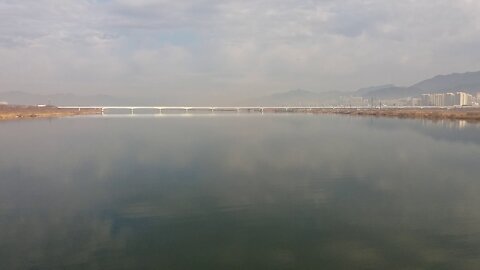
297, 97
24, 98
363, 91
388, 92
467, 82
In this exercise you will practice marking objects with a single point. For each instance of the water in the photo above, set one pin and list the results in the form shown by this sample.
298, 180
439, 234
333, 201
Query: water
239, 192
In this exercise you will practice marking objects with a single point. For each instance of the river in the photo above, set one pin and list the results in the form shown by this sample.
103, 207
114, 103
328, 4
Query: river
246, 191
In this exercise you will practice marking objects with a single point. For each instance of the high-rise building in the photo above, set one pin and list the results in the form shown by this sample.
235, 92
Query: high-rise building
449, 99
463, 99
414, 102
426, 100
438, 99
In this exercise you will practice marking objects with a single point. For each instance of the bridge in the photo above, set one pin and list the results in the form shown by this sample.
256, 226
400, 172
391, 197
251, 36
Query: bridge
161, 109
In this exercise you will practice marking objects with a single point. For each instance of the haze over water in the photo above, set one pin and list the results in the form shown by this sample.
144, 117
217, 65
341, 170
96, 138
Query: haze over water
248, 191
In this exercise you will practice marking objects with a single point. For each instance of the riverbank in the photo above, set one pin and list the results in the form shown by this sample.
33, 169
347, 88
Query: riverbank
468, 114
471, 114
10, 112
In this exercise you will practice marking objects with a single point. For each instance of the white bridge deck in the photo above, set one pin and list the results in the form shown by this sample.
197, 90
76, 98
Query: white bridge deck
161, 109
193, 108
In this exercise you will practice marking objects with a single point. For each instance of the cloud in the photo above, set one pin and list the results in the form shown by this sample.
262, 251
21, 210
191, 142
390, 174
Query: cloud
232, 48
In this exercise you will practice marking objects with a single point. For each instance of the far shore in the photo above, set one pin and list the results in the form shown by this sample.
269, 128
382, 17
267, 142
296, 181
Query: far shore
11, 112
471, 114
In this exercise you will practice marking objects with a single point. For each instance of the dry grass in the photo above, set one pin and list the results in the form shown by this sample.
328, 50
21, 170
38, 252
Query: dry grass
9, 112
469, 114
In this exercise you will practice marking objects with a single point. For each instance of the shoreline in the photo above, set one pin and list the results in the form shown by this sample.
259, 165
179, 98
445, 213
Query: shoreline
470, 114
17, 112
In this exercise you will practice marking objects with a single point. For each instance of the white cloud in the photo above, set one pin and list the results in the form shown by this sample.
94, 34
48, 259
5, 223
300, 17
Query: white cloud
231, 48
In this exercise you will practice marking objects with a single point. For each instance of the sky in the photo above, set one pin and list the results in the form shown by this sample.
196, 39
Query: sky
228, 49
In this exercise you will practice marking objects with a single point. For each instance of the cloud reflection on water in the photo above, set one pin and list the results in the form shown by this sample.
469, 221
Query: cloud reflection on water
264, 191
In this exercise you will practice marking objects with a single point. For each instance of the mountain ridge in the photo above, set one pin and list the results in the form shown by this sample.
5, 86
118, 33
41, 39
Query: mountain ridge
467, 82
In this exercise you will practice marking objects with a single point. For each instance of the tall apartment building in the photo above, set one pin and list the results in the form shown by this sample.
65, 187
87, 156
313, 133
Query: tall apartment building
463, 99
438, 99
449, 99
426, 100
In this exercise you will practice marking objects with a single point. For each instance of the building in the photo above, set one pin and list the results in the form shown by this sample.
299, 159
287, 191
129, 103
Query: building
463, 99
414, 102
438, 99
449, 99
426, 100
353, 101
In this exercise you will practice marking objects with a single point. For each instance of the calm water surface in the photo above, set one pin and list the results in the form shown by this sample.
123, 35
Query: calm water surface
239, 192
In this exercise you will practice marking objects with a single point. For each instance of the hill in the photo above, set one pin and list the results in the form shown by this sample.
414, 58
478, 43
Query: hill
297, 97
467, 82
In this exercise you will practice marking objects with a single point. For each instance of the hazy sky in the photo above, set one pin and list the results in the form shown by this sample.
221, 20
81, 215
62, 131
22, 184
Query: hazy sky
231, 49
